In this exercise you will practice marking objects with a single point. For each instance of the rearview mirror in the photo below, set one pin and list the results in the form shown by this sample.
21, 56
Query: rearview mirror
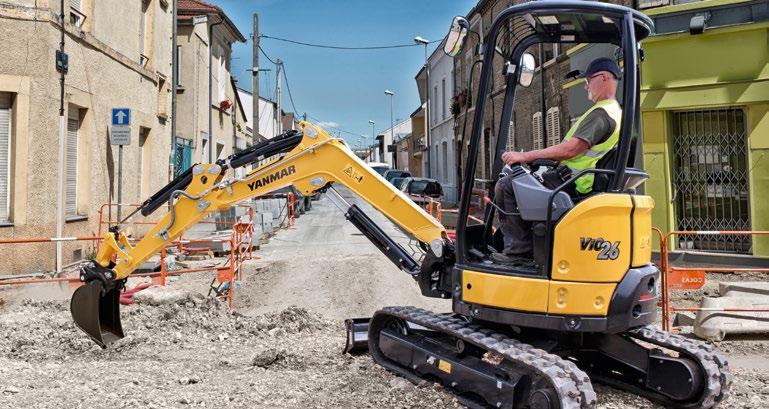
456, 36
527, 67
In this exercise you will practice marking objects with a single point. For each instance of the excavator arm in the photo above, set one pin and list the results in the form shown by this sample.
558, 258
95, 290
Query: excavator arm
309, 159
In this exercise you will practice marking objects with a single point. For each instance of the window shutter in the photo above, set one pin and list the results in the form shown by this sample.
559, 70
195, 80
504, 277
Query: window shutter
5, 155
536, 131
73, 125
553, 126
75, 4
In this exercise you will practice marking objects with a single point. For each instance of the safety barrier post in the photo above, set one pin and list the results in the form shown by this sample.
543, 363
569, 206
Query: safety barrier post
232, 272
163, 271
290, 205
667, 271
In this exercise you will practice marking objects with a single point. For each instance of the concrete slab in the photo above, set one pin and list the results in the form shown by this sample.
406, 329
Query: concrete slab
737, 288
715, 324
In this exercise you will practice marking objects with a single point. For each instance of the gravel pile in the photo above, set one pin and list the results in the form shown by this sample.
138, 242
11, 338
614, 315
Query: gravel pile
193, 356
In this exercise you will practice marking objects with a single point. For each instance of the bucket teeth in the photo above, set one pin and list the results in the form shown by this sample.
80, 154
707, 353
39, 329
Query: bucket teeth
97, 312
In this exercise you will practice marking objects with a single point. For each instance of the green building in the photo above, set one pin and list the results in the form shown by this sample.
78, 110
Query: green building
705, 108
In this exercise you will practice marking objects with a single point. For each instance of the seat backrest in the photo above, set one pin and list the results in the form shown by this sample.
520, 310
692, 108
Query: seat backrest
608, 161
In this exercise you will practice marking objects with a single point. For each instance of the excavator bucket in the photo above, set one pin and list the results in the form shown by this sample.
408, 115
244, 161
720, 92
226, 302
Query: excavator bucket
97, 312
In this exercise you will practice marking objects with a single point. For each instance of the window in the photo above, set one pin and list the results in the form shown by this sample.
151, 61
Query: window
536, 130
144, 33
143, 165
433, 109
76, 17
443, 100
221, 75
5, 157
178, 66
445, 162
553, 122
162, 97
71, 168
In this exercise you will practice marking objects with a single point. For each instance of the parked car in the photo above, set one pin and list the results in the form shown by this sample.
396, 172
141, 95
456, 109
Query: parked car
396, 173
397, 182
421, 190
379, 167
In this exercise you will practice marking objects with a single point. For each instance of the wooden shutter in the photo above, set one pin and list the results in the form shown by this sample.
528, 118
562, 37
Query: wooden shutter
510, 137
75, 4
70, 172
536, 130
553, 126
5, 156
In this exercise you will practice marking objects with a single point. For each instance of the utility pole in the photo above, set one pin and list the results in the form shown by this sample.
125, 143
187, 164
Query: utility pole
278, 116
255, 82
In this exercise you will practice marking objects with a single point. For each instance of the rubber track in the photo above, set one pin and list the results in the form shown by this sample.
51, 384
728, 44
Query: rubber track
572, 385
717, 372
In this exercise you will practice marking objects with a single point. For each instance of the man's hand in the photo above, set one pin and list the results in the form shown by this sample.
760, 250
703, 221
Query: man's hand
511, 157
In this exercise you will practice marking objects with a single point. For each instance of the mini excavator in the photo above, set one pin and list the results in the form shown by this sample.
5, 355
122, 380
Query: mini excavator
533, 335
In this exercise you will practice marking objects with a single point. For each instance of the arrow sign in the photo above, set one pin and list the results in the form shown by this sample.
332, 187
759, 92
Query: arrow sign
121, 116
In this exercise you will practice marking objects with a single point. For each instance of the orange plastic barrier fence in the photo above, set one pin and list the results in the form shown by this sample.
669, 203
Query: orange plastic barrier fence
240, 249
681, 277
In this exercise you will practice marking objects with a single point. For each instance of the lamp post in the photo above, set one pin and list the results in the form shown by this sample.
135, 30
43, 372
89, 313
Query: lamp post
392, 127
372, 128
420, 40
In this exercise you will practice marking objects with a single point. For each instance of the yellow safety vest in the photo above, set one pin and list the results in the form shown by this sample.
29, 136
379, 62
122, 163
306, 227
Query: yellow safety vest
588, 159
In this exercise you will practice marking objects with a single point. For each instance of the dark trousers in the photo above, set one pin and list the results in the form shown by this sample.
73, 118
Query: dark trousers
516, 232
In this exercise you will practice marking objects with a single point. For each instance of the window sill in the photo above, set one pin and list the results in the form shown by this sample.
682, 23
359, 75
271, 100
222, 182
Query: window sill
77, 218
6, 224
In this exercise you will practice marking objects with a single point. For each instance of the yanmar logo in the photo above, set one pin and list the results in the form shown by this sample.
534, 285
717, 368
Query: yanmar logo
606, 249
280, 174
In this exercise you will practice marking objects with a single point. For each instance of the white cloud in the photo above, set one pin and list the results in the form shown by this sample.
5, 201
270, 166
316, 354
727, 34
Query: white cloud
328, 124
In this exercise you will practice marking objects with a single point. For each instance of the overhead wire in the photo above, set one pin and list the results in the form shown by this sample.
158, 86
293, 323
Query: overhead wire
290, 97
337, 47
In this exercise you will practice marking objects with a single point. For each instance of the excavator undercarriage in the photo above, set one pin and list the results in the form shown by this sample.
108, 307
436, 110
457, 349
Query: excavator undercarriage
533, 335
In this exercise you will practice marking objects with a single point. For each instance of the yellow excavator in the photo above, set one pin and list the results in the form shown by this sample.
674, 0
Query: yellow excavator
531, 335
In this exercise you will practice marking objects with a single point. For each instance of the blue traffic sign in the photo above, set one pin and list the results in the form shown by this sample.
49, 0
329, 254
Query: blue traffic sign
121, 116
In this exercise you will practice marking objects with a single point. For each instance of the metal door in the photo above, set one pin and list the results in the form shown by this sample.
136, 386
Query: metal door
182, 156
710, 178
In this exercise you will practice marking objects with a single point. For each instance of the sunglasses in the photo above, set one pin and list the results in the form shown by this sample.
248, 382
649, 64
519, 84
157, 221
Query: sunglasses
590, 78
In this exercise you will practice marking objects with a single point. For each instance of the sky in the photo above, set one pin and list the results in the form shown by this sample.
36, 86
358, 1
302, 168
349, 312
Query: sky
342, 88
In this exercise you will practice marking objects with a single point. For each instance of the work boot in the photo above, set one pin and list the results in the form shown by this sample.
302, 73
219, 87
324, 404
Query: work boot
512, 259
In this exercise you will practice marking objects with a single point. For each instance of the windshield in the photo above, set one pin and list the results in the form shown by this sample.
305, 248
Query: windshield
380, 169
425, 187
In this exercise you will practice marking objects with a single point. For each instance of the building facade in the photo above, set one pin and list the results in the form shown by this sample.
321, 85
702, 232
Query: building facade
196, 20
442, 139
119, 57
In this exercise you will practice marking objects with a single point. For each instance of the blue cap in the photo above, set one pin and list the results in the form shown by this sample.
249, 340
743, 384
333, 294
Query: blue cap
602, 64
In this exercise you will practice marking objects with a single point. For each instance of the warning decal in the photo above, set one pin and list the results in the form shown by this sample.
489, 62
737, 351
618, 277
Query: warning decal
350, 171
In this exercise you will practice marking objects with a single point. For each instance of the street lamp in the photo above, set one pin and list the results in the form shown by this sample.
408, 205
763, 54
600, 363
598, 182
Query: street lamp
420, 40
392, 127
372, 129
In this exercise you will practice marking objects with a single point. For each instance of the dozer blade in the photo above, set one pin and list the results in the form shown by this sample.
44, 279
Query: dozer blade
97, 314
357, 335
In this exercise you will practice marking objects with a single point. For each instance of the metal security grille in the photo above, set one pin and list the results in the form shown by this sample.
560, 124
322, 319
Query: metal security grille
710, 178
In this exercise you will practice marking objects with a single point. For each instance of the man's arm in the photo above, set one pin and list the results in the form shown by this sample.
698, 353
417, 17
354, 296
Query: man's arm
564, 150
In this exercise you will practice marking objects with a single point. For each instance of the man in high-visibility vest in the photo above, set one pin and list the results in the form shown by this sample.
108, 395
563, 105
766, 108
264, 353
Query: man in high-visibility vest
594, 134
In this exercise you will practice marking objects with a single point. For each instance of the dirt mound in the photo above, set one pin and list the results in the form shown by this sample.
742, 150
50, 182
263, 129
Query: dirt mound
179, 355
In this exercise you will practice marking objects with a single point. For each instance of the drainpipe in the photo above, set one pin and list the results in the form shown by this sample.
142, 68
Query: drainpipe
60, 179
210, 72
174, 81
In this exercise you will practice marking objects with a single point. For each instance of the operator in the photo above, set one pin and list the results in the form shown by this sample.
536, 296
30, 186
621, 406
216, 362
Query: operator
592, 136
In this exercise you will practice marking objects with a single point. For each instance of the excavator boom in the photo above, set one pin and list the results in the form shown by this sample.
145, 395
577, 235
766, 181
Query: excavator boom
309, 159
